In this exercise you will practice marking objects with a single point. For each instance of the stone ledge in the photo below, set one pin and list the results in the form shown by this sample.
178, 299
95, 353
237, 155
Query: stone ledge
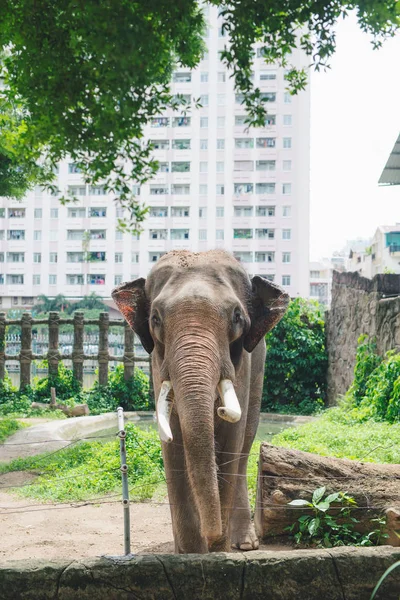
335, 574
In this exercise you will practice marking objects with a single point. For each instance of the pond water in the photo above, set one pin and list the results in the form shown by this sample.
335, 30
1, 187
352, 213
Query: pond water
265, 432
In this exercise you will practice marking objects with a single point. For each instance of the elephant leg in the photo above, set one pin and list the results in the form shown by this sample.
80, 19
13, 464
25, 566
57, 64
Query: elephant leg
184, 514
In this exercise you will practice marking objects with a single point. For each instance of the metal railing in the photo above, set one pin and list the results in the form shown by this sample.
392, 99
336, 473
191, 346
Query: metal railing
76, 346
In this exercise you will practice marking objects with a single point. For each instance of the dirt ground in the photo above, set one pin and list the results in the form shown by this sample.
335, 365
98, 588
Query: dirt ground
29, 530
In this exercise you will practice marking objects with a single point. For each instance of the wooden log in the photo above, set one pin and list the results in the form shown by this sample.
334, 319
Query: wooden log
71, 411
285, 475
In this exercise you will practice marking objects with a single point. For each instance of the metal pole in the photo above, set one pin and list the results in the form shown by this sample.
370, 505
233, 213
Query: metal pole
124, 476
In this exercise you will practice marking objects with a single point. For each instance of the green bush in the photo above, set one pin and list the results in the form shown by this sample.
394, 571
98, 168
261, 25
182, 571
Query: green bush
295, 369
132, 394
8, 427
366, 362
64, 382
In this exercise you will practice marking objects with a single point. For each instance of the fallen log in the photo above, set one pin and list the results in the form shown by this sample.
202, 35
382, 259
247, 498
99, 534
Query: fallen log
285, 475
71, 411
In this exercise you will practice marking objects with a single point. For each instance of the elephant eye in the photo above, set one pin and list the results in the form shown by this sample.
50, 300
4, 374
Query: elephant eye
237, 317
155, 321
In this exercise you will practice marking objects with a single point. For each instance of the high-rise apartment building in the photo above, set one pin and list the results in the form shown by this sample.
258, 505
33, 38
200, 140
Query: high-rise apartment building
219, 185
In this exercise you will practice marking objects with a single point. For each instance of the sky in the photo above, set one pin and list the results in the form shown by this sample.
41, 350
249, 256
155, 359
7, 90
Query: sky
355, 120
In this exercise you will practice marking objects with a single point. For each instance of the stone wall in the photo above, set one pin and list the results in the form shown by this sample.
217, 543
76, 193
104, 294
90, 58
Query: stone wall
359, 305
332, 574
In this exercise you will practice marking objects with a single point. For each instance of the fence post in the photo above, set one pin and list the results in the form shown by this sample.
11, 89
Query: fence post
53, 355
124, 476
103, 348
2, 345
77, 350
25, 356
129, 353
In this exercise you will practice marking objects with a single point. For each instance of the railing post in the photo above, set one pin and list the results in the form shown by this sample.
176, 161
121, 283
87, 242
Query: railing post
77, 350
25, 357
2, 345
129, 353
53, 355
124, 476
103, 348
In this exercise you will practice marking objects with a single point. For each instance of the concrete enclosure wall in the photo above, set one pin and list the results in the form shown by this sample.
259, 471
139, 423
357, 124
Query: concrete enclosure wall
359, 306
335, 574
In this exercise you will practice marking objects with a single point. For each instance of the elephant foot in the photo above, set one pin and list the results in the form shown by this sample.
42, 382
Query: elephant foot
218, 544
244, 537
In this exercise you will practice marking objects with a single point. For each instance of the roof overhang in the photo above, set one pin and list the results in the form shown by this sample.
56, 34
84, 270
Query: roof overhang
391, 173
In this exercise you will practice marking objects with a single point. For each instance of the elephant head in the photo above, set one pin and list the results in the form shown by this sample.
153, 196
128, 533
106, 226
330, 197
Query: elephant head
198, 315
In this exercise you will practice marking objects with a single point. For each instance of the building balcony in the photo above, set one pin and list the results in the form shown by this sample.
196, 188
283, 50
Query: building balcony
394, 249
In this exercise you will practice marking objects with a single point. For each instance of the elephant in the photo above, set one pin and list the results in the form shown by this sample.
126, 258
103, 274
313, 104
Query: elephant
203, 322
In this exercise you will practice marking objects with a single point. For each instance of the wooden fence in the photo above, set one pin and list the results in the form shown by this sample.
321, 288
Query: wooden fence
77, 356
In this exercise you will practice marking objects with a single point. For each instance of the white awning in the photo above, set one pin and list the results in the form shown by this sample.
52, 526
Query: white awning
391, 172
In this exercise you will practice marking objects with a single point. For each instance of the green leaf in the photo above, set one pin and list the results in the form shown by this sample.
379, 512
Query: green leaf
332, 498
318, 494
313, 526
299, 502
322, 506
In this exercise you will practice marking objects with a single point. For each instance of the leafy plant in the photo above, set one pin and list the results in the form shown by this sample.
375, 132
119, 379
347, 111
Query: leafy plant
132, 394
64, 383
323, 529
296, 364
366, 362
8, 427
382, 579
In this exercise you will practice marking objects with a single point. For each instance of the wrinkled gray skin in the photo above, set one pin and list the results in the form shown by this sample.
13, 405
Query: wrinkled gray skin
202, 320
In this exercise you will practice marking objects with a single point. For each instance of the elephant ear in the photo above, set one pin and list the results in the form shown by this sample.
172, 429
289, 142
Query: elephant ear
134, 305
268, 304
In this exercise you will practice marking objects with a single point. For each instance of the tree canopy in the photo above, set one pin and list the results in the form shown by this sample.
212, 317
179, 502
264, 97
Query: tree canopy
83, 79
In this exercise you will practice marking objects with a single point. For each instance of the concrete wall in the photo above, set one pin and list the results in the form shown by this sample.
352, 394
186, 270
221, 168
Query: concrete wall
335, 574
359, 305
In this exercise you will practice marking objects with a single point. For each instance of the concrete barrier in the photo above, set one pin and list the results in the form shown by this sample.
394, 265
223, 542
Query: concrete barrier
334, 574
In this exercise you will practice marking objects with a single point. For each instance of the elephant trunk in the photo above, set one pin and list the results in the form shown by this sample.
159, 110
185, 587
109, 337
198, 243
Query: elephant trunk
195, 376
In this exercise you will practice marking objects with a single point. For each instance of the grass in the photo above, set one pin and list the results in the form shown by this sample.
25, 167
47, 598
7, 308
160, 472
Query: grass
8, 427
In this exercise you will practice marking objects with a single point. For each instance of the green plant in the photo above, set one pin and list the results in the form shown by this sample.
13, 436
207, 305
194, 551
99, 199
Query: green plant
382, 579
323, 529
366, 362
64, 383
8, 427
132, 394
295, 369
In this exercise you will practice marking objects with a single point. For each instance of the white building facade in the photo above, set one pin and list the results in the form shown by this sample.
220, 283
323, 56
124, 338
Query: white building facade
219, 185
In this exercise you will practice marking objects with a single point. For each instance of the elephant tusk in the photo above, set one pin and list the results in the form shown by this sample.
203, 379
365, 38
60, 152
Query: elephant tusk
164, 408
230, 411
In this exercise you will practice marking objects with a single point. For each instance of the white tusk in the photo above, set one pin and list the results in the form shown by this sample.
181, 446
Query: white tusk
164, 408
230, 409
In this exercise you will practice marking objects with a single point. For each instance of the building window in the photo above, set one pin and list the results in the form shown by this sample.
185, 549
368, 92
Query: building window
265, 257
73, 169
268, 97
286, 211
119, 211
2, 213
97, 190
2, 257
203, 122
286, 188
75, 234
180, 167
244, 143
180, 190
242, 189
220, 167
203, 167
159, 122
75, 257
204, 77
96, 279
118, 257
28, 300
286, 257
243, 234
54, 213
117, 279
160, 144
202, 212
155, 256
221, 144
37, 235
163, 167
220, 212
270, 121
17, 279
315, 274
285, 279
98, 211
240, 120
180, 211
203, 189
203, 144
287, 142
265, 234
243, 211
287, 165
220, 189
77, 213
74, 279
221, 77
179, 234
37, 213
36, 279
204, 100
16, 257
265, 165
52, 279
287, 120
16, 213
99, 234
158, 211
16, 234
181, 145
267, 142
219, 234
202, 234
286, 234
246, 257
96, 257
265, 188
1, 234
77, 190
159, 190
182, 77
220, 122
265, 211
135, 257
243, 165
287, 98
181, 121
158, 234
221, 99
267, 75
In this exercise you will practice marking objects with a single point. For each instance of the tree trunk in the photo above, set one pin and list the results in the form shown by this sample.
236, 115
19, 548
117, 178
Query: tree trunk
284, 475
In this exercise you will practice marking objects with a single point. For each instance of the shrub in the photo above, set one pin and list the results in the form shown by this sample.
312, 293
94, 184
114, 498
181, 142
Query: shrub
366, 362
132, 394
295, 369
7, 428
64, 382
